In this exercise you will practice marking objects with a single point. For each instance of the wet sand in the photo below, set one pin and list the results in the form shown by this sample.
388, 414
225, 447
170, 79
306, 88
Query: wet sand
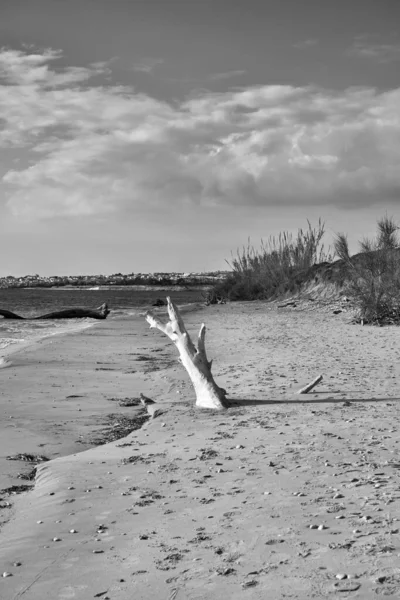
54, 394
281, 496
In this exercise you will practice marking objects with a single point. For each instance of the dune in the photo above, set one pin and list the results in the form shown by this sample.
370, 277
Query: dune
281, 496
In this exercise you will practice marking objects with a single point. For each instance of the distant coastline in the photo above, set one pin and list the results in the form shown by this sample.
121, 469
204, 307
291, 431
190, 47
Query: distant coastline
118, 280
99, 288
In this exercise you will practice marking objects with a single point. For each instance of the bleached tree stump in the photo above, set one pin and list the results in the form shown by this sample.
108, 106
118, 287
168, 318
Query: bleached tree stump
208, 393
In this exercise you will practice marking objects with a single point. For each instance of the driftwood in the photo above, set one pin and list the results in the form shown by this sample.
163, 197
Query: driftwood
311, 385
151, 407
69, 313
208, 393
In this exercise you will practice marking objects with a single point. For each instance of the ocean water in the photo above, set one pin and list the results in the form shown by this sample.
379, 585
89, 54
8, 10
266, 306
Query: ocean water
36, 301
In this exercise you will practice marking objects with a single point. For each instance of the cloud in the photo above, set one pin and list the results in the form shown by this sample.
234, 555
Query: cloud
96, 149
363, 47
19, 68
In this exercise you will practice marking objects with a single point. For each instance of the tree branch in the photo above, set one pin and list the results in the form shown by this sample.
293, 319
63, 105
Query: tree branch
310, 386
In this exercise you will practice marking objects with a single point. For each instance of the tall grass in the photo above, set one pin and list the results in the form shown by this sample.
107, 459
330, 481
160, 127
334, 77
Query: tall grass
262, 273
374, 275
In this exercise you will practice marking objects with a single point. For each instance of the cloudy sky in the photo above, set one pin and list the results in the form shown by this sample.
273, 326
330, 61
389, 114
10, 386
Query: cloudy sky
159, 135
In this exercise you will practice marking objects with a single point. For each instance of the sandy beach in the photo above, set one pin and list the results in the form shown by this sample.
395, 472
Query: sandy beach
281, 496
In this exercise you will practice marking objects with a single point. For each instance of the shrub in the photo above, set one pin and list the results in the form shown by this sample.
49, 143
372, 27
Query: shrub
374, 275
273, 268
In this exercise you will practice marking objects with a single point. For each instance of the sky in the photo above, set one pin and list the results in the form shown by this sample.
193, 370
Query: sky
160, 135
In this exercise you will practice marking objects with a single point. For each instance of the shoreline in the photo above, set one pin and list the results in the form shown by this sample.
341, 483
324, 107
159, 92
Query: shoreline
197, 505
85, 323
18, 365
32, 393
21, 345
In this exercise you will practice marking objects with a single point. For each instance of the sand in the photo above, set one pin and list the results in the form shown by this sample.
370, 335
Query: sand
281, 496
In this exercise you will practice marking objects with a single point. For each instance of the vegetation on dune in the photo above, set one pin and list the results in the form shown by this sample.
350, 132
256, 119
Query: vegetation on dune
286, 263
373, 276
274, 268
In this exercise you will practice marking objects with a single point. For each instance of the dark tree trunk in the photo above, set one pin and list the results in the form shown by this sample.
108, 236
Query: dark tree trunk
69, 313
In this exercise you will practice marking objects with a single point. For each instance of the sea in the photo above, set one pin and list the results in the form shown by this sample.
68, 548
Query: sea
122, 301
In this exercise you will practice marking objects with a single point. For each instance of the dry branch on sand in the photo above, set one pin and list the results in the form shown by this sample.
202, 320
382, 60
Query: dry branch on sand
150, 407
208, 393
310, 386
